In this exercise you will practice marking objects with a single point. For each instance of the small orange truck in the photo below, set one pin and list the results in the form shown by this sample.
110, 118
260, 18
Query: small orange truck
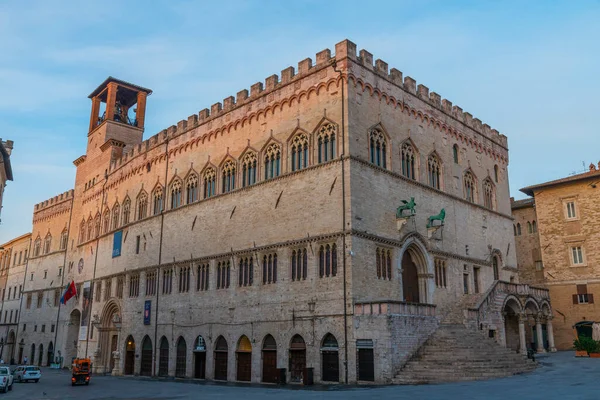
81, 372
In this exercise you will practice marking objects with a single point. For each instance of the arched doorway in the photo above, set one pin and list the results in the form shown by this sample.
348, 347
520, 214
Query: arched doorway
269, 360
220, 357
511, 313
181, 361
532, 311
146, 362
200, 358
40, 360
109, 329
297, 358
50, 357
32, 355
72, 336
10, 348
414, 274
330, 360
129, 355
163, 357
244, 360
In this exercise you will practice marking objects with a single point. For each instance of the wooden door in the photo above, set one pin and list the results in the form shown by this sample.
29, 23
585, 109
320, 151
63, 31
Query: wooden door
244, 366
366, 365
220, 365
269, 373
331, 366
200, 365
297, 365
129, 361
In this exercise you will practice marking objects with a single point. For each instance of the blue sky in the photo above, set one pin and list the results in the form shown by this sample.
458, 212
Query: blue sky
529, 69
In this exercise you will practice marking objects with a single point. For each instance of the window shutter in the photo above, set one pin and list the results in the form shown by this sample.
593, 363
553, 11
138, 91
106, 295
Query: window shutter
575, 299
581, 289
590, 298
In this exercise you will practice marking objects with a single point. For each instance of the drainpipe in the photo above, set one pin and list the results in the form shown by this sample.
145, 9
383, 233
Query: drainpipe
87, 336
342, 155
162, 224
64, 271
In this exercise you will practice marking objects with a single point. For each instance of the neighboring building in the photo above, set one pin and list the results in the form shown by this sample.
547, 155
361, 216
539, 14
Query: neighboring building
262, 234
13, 261
566, 215
5, 168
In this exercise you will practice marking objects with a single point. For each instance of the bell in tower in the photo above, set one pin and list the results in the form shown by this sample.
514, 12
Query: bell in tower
119, 98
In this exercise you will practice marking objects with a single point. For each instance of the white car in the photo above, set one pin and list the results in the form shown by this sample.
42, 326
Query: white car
26, 373
6, 379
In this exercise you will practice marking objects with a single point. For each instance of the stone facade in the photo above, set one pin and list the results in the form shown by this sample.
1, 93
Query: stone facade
567, 217
5, 167
527, 241
286, 195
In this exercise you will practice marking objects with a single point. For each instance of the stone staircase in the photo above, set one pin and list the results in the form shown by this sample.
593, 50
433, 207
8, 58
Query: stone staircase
456, 353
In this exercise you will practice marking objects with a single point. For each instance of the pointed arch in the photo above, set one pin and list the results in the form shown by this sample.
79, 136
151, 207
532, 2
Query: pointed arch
97, 222
142, 205
175, 189
417, 268
228, 170
249, 166
470, 186
434, 170
47, 243
126, 211
409, 159
106, 221
209, 180
157, 199
326, 138
271, 154
489, 193
191, 187
163, 357
299, 143
378, 146
181, 358
115, 216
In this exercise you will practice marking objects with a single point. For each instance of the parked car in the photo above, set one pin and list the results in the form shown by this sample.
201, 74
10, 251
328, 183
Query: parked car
26, 373
6, 379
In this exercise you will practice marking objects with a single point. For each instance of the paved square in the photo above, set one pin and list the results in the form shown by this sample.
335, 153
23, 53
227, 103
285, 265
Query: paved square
560, 376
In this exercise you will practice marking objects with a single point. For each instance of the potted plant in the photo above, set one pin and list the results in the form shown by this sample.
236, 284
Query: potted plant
584, 345
594, 351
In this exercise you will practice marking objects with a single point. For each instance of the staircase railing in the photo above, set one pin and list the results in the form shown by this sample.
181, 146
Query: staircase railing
391, 307
478, 310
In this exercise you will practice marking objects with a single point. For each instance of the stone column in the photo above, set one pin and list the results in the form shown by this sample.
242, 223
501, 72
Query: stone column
503, 338
538, 331
95, 111
111, 99
522, 345
140, 111
550, 333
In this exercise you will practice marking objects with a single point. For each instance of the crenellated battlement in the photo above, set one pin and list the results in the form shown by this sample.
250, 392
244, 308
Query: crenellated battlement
344, 50
68, 195
347, 49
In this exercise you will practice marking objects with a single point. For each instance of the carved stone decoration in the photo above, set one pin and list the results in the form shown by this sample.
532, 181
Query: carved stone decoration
406, 206
439, 217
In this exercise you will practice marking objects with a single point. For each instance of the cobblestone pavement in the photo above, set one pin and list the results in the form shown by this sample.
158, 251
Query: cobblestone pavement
560, 376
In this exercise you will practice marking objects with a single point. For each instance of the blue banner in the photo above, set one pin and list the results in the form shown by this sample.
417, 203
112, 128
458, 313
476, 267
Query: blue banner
147, 309
117, 239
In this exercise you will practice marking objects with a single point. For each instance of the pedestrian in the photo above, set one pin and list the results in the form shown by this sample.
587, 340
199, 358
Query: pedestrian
25, 360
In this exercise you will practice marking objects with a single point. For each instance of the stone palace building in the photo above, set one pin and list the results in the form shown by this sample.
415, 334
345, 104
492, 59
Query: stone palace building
262, 240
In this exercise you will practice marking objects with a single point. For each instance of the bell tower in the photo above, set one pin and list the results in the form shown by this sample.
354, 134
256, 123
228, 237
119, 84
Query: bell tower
118, 98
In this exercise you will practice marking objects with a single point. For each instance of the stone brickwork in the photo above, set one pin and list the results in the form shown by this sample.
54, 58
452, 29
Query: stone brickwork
561, 230
527, 241
325, 211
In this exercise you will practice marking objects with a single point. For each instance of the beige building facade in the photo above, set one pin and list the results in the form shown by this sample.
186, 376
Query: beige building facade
5, 167
260, 240
562, 252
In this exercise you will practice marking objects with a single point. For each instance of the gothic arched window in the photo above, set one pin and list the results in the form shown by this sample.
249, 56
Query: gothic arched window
434, 171
64, 239
191, 187
97, 225
157, 200
246, 272
378, 148
408, 161
90, 229
47, 243
272, 161
299, 148
126, 211
488, 194
106, 221
327, 260
210, 182
326, 143
469, 186
269, 268
175, 193
228, 174
142, 205
455, 153
299, 264
115, 216
249, 164
37, 245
